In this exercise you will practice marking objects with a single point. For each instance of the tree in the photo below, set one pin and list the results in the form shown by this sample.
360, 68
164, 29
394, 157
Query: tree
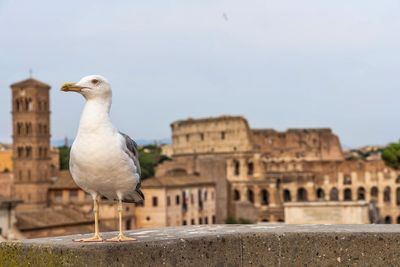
64, 157
391, 155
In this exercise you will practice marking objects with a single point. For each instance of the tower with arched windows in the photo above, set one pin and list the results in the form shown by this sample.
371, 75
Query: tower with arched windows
31, 143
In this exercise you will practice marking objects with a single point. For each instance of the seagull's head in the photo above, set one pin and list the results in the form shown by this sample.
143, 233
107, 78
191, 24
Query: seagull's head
91, 87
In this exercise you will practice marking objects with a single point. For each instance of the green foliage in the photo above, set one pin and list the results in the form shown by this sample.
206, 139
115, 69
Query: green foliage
391, 155
64, 157
150, 157
232, 220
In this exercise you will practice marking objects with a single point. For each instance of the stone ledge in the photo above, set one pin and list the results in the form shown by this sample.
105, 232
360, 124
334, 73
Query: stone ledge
219, 245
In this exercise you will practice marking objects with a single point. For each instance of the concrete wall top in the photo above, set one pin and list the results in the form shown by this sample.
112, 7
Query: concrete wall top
219, 245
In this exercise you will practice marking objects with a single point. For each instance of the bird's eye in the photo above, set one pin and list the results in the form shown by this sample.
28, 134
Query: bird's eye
95, 81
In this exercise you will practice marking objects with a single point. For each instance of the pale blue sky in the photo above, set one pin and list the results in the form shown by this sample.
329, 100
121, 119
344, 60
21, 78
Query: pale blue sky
280, 63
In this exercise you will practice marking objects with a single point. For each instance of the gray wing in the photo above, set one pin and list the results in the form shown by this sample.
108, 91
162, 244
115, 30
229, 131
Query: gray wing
133, 152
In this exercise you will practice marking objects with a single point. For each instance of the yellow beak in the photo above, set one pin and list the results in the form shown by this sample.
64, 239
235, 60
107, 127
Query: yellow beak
71, 87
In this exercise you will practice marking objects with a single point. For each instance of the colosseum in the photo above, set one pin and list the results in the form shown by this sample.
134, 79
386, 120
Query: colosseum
259, 171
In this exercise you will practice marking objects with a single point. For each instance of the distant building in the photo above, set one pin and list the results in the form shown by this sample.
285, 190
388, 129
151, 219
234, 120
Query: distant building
177, 200
8, 229
6, 164
257, 171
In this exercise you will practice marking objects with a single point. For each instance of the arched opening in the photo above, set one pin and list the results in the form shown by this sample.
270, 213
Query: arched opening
28, 151
250, 196
287, 196
386, 194
388, 220
17, 105
398, 180
302, 194
374, 192
320, 194
250, 168
236, 166
361, 193
236, 195
334, 194
265, 220
26, 104
347, 194
264, 197
30, 106
398, 196
398, 220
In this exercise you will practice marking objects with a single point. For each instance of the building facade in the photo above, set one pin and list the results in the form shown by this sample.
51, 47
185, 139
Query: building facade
177, 200
31, 143
257, 171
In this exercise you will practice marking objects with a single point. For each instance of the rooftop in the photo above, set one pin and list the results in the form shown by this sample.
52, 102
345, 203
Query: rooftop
177, 181
30, 82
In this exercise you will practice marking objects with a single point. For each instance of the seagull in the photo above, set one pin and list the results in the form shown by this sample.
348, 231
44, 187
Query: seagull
103, 161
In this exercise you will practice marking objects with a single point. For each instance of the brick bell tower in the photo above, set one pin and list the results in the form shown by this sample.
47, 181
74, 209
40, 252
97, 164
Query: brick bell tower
31, 143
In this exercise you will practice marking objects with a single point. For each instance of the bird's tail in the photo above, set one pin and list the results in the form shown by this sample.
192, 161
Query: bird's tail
135, 197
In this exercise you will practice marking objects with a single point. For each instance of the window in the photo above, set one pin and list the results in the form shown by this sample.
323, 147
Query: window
202, 137
347, 194
73, 195
386, 194
155, 201
187, 138
250, 196
320, 194
58, 196
213, 219
286, 196
236, 195
205, 220
398, 196
192, 198
302, 194
222, 135
398, 180
398, 220
388, 220
177, 200
236, 165
361, 193
374, 192
264, 197
347, 179
20, 152
334, 195
205, 195
184, 222
250, 168
200, 220
168, 201
128, 224
192, 222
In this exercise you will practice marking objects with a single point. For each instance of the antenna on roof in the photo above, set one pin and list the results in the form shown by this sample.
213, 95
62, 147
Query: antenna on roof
30, 72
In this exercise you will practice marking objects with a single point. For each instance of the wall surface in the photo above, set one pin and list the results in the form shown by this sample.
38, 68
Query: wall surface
327, 212
219, 245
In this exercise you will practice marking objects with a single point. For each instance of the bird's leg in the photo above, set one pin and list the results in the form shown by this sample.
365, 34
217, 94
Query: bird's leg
96, 237
120, 237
